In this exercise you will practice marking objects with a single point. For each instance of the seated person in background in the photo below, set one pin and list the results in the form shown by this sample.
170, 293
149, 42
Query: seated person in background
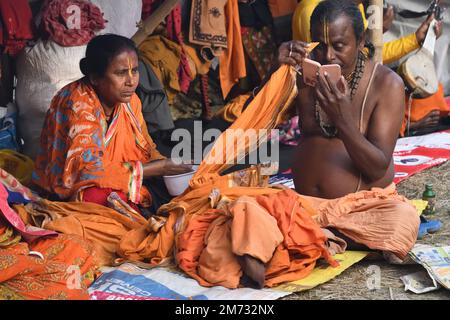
426, 115
392, 50
349, 130
94, 140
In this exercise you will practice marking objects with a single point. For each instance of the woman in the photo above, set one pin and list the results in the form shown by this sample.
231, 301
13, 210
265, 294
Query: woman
94, 140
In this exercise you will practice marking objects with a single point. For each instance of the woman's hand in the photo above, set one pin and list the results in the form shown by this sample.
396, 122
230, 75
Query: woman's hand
165, 167
334, 98
292, 53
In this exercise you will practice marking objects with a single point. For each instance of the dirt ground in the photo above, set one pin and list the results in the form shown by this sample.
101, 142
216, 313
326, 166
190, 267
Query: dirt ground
353, 282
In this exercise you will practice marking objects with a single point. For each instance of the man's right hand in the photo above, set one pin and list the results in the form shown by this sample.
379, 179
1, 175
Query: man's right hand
430, 120
292, 53
388, 17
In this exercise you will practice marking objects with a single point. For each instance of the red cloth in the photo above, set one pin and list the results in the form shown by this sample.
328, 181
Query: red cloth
16, 25
62, 24
100, 196
174, 34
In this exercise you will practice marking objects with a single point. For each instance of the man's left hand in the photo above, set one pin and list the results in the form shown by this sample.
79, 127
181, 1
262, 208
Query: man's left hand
334, 98
421, 32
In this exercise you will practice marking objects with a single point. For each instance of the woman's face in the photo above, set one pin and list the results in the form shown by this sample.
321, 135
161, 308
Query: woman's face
120, 80
338, 44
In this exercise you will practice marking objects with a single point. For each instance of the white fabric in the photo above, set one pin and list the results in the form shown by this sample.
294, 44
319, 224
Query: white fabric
122, 16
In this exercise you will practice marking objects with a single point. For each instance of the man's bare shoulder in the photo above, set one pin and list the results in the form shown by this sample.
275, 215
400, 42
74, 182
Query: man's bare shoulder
388, 85
388, 81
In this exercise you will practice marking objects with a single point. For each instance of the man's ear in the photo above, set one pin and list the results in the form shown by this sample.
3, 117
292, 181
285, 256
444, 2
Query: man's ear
362, 42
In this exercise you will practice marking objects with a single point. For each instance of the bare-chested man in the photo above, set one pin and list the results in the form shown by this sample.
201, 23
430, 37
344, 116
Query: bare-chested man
349, 130
347, 158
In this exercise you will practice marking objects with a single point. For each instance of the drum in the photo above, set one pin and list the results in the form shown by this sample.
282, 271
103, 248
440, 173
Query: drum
419, 74
418, 71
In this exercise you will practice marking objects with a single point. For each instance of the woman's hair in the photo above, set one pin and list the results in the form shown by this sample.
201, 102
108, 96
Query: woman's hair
101, 50
330, 10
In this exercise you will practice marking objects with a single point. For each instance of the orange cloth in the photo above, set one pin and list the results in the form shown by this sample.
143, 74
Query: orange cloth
191, 242
304, 241
280, 8
381, 219
101, 226
232, 110
144, 244
79, 150
274, 228
217, 263
232, 61
421, 107
274, 99
269, 108
65, 272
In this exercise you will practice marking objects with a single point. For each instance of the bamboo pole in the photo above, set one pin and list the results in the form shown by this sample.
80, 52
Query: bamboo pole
150, 24
375, 19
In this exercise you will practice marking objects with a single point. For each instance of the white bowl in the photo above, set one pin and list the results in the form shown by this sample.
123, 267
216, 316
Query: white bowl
178, 183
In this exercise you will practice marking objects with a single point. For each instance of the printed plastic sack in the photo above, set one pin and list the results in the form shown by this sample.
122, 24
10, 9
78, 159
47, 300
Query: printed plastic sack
8, 134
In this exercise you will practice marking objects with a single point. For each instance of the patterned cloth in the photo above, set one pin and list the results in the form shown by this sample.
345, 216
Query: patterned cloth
260, 47
289, 132
71, 23
56, 269
173, 24
13, 185
79, 150
208, 23
8, 215
174, 34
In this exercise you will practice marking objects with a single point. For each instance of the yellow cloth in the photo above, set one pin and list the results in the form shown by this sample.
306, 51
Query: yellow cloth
324, 273
396, 49
163, 56
301, 28
232, 110
17, 164
392, 50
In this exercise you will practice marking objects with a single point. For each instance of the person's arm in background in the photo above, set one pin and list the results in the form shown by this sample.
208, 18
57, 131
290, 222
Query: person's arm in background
396, 49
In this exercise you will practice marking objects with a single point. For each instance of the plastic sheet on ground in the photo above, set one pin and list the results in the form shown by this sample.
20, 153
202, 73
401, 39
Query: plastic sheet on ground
131, 282
169, 283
